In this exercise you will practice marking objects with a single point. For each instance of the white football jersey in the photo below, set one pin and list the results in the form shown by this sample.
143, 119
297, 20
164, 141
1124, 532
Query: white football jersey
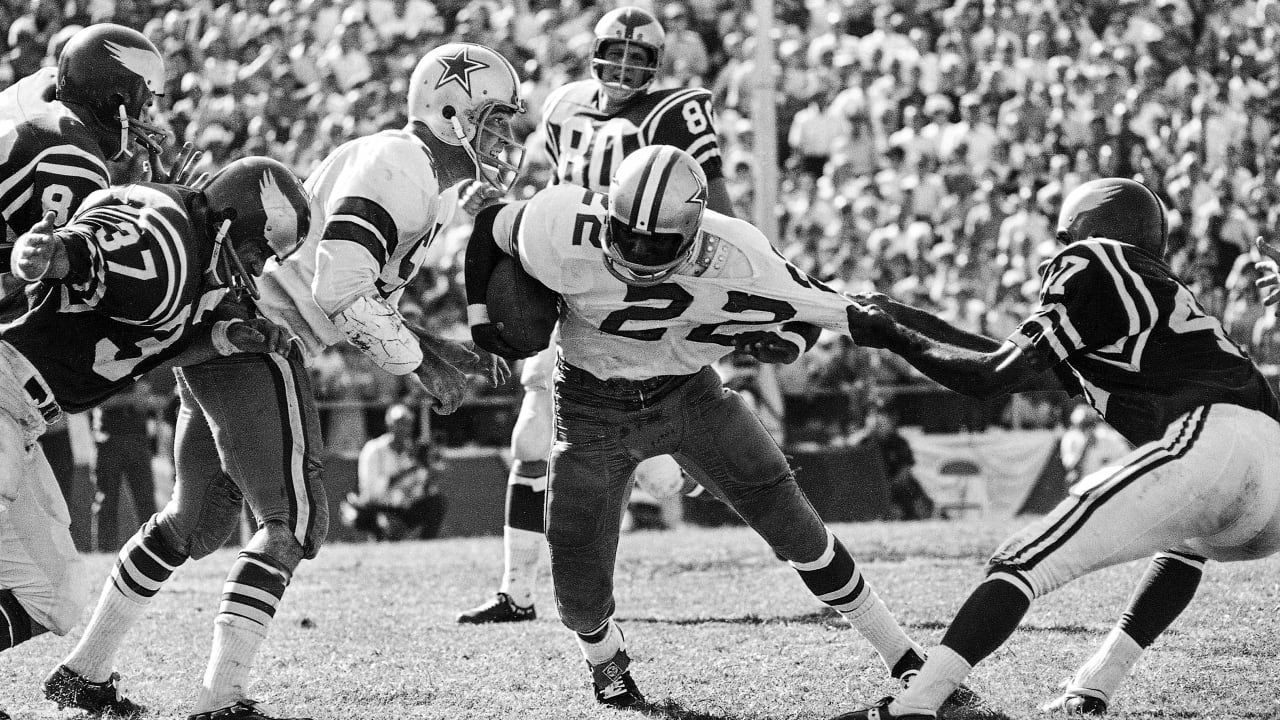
376, 205
735, 283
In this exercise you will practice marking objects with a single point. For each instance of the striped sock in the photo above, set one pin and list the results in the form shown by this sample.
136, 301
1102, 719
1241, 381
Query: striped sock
834, 578
142, 567
249, 600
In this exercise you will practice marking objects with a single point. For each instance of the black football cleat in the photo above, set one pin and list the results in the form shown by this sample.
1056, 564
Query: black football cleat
908, 667
104, 699
880, 711
613, 684
243, 710
1077, 704
501, 608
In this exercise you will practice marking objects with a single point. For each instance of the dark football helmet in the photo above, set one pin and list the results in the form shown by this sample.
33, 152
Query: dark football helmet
656, 202
1117, 209
261, 208
630, 27
109, 72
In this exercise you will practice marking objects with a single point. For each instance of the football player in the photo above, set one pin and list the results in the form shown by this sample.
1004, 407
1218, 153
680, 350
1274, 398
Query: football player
60, 127
1114, 325
249, 424
655, 290
590, 126
121, 291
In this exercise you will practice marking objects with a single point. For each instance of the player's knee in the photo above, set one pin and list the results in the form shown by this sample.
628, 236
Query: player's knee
1035, 582
197, 532
275, 541
531, 439
531, 473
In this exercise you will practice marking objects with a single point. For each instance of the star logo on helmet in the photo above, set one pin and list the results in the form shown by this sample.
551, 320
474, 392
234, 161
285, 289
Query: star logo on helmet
459, 69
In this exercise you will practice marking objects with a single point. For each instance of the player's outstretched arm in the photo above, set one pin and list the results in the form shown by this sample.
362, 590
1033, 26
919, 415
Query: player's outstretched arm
976, 373
467, 357
39, 254
927, 324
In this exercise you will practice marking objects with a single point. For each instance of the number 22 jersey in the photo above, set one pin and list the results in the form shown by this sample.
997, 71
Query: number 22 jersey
735, 283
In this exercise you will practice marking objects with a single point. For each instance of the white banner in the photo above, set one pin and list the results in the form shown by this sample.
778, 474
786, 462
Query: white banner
1007, 461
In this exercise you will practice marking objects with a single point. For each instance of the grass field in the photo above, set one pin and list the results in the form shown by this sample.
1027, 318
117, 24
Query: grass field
718, 630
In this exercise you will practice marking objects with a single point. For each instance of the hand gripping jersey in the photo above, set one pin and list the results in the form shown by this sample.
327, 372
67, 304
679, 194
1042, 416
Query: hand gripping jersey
1133, 339
48, 158
134, 291
735, 284
376, 205
586, 145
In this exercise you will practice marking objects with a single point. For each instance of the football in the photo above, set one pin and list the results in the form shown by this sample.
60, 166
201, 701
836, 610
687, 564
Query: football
527, 309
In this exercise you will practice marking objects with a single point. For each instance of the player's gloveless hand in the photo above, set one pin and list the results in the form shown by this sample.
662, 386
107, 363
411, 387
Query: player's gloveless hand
475, 196
1268, 268
38, 253
489, 337
258, 335
870, 326
467, 357
442, 382
767, 347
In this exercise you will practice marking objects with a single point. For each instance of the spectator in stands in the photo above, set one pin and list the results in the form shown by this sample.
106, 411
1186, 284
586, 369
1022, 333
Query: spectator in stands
396, 498
906, 496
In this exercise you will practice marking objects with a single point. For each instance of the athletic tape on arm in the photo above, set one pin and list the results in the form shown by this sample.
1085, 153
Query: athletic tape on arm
373, 326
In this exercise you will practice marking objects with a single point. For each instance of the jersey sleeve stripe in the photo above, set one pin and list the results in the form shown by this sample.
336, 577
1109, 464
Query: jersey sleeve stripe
1126, 286
649, 122
371, 214
18, 202
74, 171
699, 148
356, 230
65, 154
517, 227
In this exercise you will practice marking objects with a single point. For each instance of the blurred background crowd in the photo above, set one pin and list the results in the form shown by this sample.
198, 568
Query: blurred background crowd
924, 146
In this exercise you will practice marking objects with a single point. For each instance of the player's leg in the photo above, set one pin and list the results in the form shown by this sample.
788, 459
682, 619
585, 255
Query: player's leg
728, 449
198, 519
264, 421
1182, 486
522, 538
42, 582
1164, 591
589, 479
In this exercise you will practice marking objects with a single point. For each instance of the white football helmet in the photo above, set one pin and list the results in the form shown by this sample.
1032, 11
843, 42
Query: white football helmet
656, 202
466, 95
633, 27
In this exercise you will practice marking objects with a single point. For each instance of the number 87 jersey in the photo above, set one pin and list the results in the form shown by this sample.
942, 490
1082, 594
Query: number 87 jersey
734, 284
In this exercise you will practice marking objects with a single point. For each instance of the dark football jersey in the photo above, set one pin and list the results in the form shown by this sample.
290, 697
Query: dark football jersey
48, 158
1135, 342
135, 290
586, 145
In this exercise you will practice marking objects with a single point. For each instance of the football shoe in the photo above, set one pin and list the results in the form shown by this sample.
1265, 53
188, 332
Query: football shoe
613, 684
880, 711
103, 699
501, 608
908, 667
243, 710
1076, 703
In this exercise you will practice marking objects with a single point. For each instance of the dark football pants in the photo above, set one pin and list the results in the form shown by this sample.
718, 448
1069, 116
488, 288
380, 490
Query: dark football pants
602, 433
255, 416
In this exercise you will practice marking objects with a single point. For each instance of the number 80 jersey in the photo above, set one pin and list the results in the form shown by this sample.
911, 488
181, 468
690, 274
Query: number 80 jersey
734, 284
586, 146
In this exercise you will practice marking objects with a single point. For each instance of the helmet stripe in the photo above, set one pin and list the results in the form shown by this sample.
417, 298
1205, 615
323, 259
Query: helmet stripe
642, 192
660, 190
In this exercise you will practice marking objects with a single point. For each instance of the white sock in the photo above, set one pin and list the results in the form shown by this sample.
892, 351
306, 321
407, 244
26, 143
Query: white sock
603, 651
226, 679
942, 673
874, 621
522, 554
113, 618
1108, 667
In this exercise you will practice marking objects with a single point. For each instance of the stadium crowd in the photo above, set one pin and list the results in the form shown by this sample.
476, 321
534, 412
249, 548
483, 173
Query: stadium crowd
925, 145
